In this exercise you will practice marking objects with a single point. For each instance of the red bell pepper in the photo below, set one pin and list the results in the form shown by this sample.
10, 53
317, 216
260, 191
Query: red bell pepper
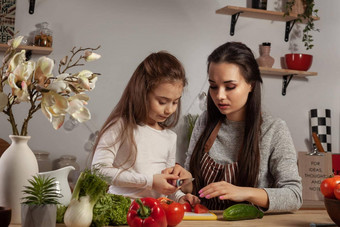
146, 212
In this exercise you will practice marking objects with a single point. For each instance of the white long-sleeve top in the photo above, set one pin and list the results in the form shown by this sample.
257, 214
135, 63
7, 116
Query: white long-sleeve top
156, 150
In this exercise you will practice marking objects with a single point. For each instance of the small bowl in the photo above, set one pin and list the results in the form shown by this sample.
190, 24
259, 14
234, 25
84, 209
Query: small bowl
298, 61
5, 216
333, 209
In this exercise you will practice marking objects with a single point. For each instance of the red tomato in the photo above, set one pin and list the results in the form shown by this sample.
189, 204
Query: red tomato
327, 186
174, 211
199, 208
187, 207
337, 191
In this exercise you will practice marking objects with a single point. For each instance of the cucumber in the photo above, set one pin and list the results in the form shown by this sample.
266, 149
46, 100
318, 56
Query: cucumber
241, 211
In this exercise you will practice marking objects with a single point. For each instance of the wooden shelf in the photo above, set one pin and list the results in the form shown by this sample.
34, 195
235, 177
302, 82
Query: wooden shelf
258, 13
34, 49
285, 72
236, 11
287, 75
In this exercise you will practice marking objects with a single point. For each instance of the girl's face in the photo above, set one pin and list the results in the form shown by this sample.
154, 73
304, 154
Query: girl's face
163, 101
229, 90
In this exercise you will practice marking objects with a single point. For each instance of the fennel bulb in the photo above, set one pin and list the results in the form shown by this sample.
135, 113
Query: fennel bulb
79, 213
90, 186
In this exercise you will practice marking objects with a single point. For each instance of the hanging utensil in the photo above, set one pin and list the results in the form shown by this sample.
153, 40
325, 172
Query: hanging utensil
317, 142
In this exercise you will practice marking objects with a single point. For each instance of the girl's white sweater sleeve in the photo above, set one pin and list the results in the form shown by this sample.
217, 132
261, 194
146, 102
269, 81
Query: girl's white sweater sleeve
106, 154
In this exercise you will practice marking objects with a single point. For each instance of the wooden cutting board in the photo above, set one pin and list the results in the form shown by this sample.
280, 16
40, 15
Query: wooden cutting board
203, 216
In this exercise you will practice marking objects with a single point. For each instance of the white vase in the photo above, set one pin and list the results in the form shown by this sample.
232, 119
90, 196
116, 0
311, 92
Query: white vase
17, 165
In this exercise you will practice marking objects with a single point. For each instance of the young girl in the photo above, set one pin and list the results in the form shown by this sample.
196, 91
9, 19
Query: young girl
236, 152
135, 143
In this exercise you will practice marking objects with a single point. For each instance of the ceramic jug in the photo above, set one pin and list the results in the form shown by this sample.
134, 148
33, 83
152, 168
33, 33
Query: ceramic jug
62, 184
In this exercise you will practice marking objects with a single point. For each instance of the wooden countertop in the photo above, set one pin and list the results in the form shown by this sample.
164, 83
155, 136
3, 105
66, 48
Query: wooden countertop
298, 218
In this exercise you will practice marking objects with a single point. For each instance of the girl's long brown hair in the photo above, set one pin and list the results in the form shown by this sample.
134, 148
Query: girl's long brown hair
132, 108
249, 154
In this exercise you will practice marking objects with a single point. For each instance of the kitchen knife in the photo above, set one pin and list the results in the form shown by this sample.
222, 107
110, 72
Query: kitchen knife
182, 182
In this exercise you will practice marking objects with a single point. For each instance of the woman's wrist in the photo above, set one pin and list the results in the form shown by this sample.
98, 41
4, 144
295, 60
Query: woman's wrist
257, 196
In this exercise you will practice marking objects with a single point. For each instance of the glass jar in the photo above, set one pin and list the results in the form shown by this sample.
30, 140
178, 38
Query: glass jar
44, 163
70, 160
43, 37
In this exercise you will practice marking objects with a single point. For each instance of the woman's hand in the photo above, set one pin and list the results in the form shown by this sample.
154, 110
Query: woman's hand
190, 198
224, 190
161, 183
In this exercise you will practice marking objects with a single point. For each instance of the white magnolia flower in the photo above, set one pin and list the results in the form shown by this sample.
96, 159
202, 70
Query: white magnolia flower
86, 79
43, 69
60, 85
19, 80
90, 56
16, 60
15, 42
77, 109
54, 106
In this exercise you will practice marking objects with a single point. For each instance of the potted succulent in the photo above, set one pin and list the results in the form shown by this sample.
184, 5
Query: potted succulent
39, 206
305, 12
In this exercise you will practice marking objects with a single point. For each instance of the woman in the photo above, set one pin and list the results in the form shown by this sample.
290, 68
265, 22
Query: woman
236, 152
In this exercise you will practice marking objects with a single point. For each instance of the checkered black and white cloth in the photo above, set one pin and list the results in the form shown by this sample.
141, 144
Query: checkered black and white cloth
320, 122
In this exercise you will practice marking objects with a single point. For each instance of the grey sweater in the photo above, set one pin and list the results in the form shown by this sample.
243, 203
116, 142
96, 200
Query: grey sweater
278, 175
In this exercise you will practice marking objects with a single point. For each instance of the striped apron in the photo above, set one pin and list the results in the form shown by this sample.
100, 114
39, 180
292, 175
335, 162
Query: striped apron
214, 172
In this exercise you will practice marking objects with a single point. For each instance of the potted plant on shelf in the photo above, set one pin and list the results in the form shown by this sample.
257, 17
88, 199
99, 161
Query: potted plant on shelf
39, 206
305, 12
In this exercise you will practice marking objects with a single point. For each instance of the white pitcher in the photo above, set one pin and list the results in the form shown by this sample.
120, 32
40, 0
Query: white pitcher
62, 184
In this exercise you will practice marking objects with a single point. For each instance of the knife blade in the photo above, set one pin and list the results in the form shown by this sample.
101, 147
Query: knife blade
182, 182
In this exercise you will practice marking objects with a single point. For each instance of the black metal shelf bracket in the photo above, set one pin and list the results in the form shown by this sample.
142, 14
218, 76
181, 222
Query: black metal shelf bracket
234, 19
285, 82
289, 29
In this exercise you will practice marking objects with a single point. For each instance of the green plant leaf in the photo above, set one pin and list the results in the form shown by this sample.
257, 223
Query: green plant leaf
41, 191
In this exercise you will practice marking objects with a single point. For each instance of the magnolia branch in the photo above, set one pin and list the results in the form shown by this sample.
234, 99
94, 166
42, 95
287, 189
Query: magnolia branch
9, 113
31, 111
74, 53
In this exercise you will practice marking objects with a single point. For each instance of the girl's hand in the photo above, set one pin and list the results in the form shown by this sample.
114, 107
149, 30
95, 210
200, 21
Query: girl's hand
177, 170
191, 199
224, 190
160, 183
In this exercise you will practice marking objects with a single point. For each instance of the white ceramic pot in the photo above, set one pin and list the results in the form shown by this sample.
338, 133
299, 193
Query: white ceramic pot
17, 165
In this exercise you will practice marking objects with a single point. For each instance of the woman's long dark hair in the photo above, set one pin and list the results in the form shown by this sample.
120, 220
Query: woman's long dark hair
249, 154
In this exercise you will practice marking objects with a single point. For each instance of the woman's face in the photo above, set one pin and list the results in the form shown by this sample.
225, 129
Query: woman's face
229, 90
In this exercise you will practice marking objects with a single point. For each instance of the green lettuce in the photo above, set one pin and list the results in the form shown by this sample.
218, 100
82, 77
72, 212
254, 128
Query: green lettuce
60, 213
110, 209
